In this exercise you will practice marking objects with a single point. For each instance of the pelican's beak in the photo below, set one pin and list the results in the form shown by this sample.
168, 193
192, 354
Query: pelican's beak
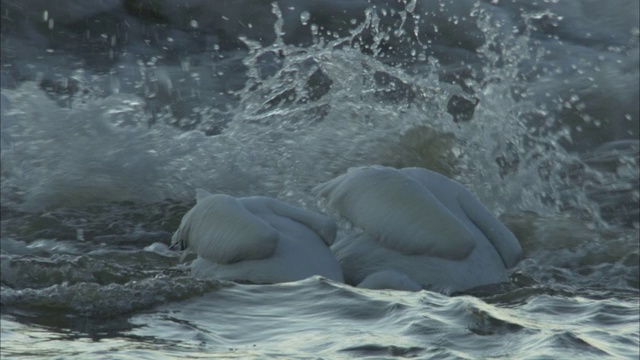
182, 248
184, 255
181, 242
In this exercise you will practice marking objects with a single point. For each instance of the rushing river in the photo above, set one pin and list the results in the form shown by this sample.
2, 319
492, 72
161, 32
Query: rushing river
114, 112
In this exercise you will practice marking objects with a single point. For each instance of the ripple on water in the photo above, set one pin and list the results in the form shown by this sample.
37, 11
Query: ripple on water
101, 301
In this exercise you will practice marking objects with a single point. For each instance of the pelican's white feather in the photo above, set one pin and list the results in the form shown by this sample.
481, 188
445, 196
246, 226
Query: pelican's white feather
415, 225
219, 228
257, 239
399, 212
461, 202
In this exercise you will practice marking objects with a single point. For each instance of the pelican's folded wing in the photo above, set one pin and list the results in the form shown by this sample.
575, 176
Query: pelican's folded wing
320, 224
399, 212
219, 228
499, 235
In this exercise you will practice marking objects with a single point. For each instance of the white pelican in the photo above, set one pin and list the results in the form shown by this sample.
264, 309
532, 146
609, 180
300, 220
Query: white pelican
415, 227
256, 239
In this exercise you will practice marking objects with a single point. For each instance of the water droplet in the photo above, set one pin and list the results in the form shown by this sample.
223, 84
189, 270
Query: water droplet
304, 17
411, 6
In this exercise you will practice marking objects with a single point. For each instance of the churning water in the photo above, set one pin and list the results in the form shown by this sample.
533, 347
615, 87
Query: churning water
114, 113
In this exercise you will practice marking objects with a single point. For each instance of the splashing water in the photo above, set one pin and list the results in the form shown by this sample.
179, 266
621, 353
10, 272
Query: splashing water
305, 114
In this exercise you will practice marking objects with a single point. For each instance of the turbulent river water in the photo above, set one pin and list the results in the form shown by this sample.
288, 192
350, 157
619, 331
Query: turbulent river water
114, 113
